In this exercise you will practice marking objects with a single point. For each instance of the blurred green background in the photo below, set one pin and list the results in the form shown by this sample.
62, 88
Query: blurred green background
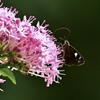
82, 17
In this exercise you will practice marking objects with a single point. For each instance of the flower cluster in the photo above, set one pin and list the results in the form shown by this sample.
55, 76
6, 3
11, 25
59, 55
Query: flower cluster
27, 48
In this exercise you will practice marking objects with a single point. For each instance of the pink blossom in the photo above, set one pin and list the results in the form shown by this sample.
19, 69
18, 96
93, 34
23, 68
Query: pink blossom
34, 46
2, 81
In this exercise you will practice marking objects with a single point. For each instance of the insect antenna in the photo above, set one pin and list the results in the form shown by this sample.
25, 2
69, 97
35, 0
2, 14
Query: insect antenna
62, 28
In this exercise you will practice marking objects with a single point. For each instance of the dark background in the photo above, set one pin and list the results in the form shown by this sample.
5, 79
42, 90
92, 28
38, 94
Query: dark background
82, 17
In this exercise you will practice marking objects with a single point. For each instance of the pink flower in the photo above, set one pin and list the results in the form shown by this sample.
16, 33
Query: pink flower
45, 62
2, 81
32, 47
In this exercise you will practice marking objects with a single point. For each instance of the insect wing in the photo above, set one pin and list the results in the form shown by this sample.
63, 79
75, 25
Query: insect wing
72, 56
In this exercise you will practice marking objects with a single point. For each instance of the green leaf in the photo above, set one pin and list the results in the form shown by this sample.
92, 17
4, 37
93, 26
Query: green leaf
8, 73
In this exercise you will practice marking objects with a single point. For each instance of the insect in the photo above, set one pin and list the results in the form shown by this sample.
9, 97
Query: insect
71, 55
